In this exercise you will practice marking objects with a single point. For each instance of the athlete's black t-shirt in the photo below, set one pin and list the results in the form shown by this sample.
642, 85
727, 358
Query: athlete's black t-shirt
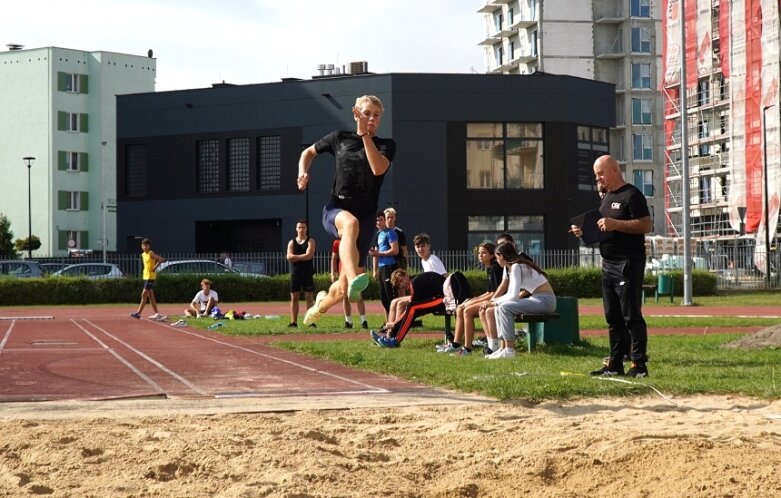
626, 203
355, 187
301, 268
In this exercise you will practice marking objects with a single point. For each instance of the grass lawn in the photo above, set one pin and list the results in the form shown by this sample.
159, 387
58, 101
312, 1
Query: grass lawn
679, 364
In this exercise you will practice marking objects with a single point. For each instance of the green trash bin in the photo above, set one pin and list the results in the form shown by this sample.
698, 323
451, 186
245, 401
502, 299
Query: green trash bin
664, 287
566, 328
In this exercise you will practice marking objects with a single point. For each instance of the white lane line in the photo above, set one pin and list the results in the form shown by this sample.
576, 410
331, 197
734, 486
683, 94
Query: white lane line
43, 317
116, 355
276, 394
372, 389
61, 350
154, 362
6, 336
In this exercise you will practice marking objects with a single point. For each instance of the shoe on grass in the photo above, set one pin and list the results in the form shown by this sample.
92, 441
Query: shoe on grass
609, 371
503, 354
388, 342
356, 286
313, 314
364, 324
375, 337
449, 348
461, 352
348, 325
638, 370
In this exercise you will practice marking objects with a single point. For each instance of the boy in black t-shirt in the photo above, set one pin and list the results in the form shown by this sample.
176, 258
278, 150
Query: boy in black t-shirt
362, 159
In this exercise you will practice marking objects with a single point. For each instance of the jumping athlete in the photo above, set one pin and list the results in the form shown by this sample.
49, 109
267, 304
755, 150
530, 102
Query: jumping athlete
362, 159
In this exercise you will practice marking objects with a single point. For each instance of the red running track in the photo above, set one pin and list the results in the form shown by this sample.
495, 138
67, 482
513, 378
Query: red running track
105, 357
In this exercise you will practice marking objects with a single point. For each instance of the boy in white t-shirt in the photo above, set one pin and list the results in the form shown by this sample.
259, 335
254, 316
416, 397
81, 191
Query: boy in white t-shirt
428, 261
204, 300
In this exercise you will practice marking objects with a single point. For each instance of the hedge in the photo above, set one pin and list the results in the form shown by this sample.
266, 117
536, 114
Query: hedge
580, 282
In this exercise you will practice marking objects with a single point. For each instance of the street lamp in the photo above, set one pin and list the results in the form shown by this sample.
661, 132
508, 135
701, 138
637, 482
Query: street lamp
765, 182
29, 208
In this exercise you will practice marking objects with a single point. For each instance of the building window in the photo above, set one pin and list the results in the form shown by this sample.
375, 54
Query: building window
269, 164
136, 170
510, 17
499, 55
527, 231
641, 39
641, 75
72, 83
72, 121
706, 190
208, 170
238, 165
640, 8
512, 50
643, 179
498, 21
533, 42
72, 161
504, 156
642, 147
592, 143
641, 111
703, 92
72, 239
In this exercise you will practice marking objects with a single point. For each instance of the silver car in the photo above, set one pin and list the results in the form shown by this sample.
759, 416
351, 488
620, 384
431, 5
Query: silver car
20, 268
91, 271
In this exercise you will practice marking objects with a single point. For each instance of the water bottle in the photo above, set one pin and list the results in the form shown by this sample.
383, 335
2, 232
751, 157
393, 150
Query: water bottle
216, 325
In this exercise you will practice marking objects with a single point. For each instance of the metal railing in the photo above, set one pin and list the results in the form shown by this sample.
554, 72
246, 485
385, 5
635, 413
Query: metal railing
732, 261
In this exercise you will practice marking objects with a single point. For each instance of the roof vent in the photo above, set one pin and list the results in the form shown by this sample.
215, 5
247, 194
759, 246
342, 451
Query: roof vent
14, 46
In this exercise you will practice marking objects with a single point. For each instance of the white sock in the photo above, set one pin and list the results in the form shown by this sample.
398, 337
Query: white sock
348, 319
494, 344
363, 318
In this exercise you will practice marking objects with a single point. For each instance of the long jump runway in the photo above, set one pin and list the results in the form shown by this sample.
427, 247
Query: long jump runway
110, 358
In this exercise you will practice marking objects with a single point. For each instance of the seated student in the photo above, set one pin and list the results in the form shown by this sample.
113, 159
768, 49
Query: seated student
204, 301
429, 261
425, 296
527, 279
467, 311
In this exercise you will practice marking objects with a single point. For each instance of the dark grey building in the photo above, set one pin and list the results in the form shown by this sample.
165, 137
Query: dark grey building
210, 169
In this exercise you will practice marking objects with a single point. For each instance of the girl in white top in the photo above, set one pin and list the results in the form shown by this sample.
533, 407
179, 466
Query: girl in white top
528, 292
204, 300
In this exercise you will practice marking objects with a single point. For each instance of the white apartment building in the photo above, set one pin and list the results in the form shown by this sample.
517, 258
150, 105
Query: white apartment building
615, 41
58, 105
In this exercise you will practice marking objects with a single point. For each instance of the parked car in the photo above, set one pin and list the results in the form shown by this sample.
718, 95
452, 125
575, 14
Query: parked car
90, 270
255, 268
20, 268
50, 268
192, 266
200, 267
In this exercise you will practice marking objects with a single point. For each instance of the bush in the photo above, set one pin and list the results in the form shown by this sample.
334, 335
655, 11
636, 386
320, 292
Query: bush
578, 282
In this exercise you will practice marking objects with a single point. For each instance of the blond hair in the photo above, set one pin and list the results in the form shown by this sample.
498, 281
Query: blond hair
389, 211
370, 99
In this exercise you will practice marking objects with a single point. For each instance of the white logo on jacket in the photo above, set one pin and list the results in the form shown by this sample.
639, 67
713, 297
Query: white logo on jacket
615, 205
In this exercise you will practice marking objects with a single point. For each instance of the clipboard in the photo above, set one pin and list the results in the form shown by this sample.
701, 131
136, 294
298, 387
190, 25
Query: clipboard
588, 224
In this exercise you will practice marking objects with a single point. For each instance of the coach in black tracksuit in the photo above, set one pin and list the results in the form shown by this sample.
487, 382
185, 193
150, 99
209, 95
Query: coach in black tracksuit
625, 217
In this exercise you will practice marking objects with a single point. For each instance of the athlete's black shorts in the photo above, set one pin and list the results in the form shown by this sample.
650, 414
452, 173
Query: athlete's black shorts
300, 283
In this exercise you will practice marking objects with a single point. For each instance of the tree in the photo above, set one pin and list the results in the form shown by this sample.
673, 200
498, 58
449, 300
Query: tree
6, 238
22, 244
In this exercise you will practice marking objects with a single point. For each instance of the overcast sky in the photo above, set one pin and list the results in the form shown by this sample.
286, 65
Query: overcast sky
200, 42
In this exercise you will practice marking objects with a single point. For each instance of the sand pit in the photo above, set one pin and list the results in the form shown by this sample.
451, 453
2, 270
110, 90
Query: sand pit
707, 446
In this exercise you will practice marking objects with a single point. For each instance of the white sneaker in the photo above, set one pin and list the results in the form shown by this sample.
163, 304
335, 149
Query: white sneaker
158, 317
502, 354
495, 354
180, 323
313, 314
